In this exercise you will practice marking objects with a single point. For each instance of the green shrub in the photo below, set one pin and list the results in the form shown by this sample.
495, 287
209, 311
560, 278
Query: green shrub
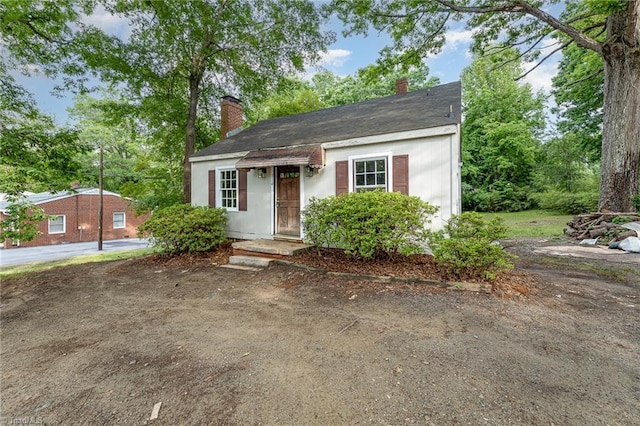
467, 246
368, 224
501, 198
568, 202
185, 229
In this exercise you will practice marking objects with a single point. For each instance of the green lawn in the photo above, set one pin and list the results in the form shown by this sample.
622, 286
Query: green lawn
12, 271
533, 223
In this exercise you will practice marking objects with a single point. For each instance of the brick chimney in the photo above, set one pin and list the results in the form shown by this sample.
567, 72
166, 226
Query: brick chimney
230, 115
402, 85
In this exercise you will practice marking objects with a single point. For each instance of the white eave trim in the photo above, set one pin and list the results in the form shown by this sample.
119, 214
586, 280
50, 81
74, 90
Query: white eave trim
393, 137
230, 155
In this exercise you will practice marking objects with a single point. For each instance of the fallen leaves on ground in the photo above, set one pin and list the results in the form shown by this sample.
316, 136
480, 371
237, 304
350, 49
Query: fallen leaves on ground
510, 284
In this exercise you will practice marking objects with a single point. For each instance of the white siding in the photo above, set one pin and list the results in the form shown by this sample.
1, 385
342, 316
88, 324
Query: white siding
251, 224
434, 171
434, 176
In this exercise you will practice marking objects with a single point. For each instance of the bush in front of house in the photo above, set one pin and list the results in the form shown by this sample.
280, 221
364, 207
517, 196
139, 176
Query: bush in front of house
182, 228
467, 246
370, 224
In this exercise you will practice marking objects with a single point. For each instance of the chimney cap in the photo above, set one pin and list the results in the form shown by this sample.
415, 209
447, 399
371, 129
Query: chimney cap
231, 99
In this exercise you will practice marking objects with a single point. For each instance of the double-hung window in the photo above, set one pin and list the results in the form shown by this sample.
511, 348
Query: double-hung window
370, 174
228, 188
57, 224
119, 220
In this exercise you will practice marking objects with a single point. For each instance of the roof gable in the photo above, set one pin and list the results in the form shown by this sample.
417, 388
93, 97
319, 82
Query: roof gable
420, 109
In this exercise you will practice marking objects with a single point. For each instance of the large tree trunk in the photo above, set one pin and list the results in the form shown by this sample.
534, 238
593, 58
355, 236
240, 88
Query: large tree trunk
621, 125
190, 138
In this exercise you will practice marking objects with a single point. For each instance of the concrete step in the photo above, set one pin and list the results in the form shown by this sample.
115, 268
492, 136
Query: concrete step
287, 238
253, 261
240, 267
269, 247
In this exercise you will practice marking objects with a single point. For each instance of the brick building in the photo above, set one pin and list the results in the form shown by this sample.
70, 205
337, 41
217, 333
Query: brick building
75, 217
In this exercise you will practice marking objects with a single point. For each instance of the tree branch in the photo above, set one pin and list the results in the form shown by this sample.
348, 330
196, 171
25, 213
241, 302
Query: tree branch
545, 58
580, 39
589, 77
520, 54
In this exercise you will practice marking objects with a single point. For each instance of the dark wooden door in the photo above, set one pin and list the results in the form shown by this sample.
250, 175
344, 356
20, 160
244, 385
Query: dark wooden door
288, 201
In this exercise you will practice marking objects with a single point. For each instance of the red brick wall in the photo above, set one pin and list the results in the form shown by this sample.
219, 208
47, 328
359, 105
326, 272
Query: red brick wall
81, 211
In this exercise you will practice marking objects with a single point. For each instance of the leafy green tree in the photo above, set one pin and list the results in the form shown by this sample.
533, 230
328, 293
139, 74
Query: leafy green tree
21, 223
35, 155
564, 165
51, 38
160, 185
567, 180
111, 122
296, 96
578, 91
578, 88
418, 28
36, 36
183, 55
293, 96
501, 130
368, 83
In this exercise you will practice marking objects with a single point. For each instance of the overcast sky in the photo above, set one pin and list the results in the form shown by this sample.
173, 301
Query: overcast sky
344, 57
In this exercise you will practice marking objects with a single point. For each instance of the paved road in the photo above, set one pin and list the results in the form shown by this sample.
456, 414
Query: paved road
22, 255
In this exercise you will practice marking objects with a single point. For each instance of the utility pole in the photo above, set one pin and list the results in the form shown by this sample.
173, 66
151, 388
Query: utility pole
101, 206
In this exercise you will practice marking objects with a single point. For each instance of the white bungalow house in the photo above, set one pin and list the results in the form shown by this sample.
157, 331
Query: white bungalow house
264, 175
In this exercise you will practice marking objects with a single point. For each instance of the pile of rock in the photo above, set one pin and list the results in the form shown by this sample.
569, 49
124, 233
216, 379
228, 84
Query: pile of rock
607, 227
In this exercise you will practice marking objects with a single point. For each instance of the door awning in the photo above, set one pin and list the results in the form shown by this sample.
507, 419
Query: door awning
307, 155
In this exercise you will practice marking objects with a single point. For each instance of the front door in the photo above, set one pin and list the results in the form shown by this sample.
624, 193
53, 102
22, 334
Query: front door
288, 201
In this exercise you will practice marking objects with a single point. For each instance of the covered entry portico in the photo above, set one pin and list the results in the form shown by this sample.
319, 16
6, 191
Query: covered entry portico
286, 166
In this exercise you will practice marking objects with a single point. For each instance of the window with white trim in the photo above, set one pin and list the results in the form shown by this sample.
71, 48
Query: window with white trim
119, 220
370, 174
57, 224
228, 188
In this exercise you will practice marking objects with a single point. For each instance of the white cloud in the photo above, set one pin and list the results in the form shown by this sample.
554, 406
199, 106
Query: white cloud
457, 38
108, 22
334, 58
540, 78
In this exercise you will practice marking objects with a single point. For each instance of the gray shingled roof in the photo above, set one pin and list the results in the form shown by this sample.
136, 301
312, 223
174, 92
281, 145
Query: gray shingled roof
45, 197
420, 109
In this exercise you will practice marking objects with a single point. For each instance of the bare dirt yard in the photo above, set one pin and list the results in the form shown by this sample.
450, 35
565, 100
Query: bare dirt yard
103, 343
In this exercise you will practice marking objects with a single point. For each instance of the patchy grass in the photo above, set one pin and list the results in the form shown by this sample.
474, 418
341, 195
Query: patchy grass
608, 272
533, 223
18, 270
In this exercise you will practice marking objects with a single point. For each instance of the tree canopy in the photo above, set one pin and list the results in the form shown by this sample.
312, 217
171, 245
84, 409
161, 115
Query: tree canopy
110, 121
578, 89
501, 133
326, 89
418, 28
183, 56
